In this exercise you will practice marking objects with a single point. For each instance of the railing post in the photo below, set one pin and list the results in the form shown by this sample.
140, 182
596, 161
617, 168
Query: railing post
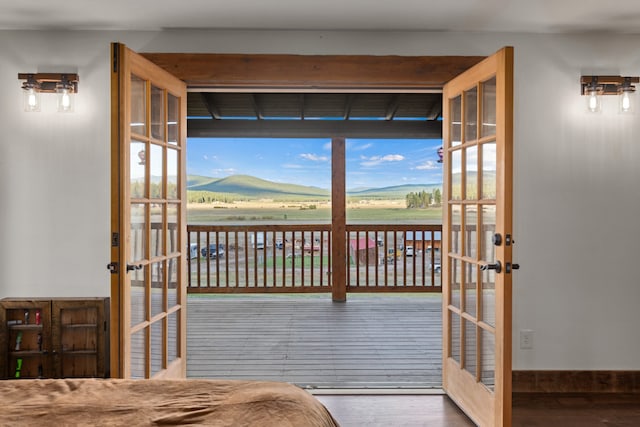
338, 221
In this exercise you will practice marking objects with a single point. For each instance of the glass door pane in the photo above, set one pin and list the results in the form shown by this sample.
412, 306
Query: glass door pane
489, 169
158, 113
137, 175
138, 106
456, 121
488, 108
471, 172
173, 107
471, 114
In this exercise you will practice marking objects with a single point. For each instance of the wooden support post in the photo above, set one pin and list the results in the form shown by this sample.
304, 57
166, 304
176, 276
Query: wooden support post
338, 221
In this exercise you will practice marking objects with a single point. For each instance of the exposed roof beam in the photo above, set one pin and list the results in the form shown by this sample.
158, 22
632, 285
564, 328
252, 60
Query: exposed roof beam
314, 129
256, 106
392, 107
351, 97
209, 102
434, 110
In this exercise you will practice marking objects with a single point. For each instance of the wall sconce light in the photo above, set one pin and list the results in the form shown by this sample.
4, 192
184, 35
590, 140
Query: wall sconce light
596, 86
65, 85
627, 91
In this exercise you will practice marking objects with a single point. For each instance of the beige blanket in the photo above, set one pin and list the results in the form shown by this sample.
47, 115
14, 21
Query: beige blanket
112, 402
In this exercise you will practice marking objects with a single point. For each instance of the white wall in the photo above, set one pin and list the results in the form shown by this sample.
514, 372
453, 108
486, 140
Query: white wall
576, 175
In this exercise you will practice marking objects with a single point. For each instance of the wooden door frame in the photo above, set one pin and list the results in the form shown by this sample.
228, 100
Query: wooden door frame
318, 73
266, 72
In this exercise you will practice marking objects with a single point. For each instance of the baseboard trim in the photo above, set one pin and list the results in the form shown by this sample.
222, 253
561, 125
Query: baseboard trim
576, 381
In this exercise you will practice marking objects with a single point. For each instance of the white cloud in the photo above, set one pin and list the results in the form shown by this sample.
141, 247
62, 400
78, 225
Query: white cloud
429, 165
291, 166
377, 160
355, 147
327, 146
314, 157
228, 171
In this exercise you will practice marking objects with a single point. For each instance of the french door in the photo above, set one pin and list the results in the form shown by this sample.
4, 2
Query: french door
148, 219
477, 242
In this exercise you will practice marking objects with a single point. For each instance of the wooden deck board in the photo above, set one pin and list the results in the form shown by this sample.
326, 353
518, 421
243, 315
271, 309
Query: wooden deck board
371, 340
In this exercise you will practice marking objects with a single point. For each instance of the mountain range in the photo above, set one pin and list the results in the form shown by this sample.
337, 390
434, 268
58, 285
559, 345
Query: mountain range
253, 187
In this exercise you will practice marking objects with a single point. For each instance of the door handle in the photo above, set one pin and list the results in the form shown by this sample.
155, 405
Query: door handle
497, 267
131, 267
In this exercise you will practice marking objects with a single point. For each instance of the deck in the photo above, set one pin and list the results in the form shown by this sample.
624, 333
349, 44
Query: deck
372, 341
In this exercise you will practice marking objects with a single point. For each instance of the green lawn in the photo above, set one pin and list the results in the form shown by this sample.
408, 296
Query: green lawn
323, 215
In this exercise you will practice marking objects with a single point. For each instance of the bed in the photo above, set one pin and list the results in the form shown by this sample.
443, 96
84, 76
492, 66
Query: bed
116, 402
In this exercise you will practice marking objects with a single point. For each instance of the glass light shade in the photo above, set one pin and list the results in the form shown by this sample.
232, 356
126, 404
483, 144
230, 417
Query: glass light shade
594, 104
65, 100
31, 100
626, 101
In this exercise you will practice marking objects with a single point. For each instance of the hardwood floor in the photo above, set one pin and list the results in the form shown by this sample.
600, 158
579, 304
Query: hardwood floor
576, 409
529, 410
395, 411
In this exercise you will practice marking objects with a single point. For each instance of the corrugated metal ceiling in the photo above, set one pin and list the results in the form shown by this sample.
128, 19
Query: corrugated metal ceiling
301, 106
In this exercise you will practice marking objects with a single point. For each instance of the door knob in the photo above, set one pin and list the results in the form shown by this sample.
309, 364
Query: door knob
113, 267
497, 267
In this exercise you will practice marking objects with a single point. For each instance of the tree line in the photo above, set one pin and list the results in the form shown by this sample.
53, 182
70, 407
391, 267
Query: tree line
209, 197
422, 199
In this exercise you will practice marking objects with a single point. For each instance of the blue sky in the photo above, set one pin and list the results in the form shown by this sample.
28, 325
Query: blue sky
370, 162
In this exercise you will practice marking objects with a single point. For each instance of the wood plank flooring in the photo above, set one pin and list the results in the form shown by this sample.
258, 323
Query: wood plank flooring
371, 341
529, 410
395, 411
576, 410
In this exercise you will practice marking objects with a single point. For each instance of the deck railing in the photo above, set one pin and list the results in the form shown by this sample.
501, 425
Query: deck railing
297, 258
394, 257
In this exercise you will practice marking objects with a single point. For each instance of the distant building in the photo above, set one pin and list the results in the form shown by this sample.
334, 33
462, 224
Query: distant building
423, 240
363, 250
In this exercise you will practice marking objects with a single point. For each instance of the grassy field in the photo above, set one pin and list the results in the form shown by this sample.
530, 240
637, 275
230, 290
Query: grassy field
386, 212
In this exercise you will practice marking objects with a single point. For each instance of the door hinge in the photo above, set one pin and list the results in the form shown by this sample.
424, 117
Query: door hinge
113, 267
115, 240
116, 54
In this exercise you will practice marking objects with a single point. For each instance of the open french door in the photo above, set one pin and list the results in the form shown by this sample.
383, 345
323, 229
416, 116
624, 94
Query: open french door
148, 219
477, 243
